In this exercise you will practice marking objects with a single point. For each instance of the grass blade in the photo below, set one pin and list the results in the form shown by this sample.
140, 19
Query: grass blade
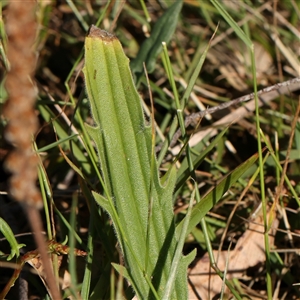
215, 194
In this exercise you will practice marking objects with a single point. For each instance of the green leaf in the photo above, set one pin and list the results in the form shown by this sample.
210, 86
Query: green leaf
212, 197
139, 206
9, 235
162, 31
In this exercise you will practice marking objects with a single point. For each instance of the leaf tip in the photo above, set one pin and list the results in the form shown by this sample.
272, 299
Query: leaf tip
95, 32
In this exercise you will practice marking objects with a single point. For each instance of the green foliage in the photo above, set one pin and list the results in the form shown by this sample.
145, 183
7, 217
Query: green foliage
140, 208
9, 235
162, 32
211, 198
125, 175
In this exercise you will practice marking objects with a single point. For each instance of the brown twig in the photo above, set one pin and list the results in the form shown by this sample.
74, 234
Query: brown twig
277, 89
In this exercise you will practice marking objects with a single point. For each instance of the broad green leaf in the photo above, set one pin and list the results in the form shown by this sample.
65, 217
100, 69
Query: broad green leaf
211, 198
9, 235
162, 31
139, 206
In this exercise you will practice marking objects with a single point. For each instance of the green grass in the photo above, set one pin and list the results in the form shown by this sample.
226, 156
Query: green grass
204, 193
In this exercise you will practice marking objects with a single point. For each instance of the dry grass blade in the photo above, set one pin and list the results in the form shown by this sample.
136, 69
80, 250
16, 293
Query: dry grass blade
285, 166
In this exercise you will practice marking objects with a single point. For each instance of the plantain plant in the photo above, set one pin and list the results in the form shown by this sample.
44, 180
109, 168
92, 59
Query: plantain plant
138, 202
139, 206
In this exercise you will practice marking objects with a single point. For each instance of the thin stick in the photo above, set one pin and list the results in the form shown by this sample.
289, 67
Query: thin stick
279, 88
276, 87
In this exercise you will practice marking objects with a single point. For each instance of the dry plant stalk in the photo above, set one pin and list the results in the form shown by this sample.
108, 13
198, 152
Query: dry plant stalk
19, 109
22, 122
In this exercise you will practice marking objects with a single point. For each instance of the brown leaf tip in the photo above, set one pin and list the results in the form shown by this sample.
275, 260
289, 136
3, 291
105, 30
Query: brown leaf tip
95, 32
